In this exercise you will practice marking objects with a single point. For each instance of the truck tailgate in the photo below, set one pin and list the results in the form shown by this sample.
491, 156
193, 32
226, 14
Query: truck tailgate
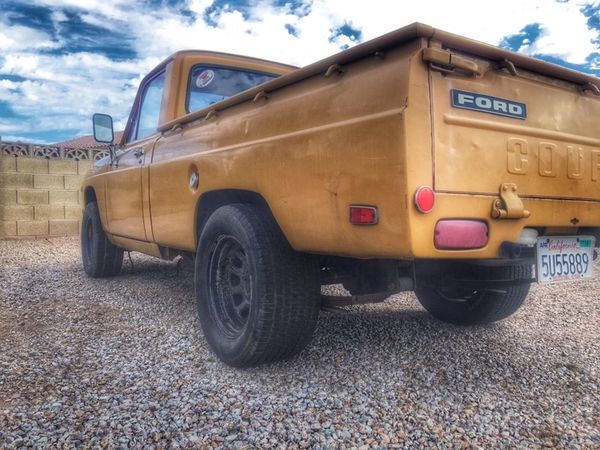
540, 133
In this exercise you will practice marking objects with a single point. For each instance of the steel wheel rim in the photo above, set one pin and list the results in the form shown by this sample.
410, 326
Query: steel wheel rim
230, 286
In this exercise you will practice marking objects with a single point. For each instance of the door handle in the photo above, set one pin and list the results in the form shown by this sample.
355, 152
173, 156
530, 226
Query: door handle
138, 152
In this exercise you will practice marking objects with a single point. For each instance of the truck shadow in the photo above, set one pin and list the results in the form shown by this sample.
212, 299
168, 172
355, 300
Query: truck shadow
403, 328
357, 340
403, 343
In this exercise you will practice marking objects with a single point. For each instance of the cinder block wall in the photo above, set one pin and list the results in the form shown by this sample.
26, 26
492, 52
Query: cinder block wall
40, 197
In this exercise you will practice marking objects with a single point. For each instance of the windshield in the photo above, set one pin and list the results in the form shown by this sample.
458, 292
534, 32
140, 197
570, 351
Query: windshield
209, 85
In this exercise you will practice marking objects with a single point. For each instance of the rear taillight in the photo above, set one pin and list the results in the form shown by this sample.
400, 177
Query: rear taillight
424, 199
455, 234
363, 215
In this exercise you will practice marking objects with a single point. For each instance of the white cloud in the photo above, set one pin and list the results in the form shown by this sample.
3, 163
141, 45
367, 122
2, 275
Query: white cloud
14, 137
160, 31
63, 90
111, 9
566, 34
18, 38
264, 34
59, 16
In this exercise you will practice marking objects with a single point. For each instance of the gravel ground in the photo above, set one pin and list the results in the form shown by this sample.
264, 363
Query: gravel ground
122, 363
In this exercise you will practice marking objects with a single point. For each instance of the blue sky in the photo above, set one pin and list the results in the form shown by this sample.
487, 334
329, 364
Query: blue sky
63, 60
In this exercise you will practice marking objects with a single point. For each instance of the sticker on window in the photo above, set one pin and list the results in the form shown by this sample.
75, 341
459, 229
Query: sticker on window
205, 78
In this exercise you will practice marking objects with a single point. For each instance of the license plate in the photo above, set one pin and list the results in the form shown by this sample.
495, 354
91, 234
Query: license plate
564, 258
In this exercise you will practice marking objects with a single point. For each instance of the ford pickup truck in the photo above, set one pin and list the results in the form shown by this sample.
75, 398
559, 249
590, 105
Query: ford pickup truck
418, 161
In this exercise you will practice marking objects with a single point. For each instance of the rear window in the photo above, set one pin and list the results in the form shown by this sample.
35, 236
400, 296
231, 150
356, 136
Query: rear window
210, 85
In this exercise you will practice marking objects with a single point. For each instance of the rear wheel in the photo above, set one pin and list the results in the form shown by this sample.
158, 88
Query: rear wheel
479, 305
101, 258
258, 299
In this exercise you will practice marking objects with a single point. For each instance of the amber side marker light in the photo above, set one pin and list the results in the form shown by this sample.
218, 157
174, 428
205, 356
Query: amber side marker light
363, 215
424, 199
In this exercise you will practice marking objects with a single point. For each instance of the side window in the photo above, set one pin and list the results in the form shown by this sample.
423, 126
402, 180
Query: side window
146, 122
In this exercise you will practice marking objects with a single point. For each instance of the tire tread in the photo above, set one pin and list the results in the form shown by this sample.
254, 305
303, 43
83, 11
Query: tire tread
106, 259
491, 307
289, 291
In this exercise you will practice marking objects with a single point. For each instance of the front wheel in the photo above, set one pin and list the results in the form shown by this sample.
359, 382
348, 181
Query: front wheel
258, 299
101, 258
475, 306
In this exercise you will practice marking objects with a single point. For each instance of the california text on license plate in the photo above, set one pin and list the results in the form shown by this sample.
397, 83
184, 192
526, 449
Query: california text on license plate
564, 258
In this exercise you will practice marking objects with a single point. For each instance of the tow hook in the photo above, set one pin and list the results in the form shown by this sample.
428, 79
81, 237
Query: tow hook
509, 205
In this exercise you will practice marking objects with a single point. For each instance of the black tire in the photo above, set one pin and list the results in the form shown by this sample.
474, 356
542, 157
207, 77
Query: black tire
481, 307
101, 258
258, 299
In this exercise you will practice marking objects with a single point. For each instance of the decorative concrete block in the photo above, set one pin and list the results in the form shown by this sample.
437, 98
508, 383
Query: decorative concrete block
63, 166
64, 197
64, 227
84, 166
47, 212
8, 228
8, 196
73, 212
16, 212
16, 180
73, 181
30, 197
32, 165
32, 227
8, 164
44, 181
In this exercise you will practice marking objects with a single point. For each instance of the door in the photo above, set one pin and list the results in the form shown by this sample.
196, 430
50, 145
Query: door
124, 190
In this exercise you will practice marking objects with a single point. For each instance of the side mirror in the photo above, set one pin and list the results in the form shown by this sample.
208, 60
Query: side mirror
103, 128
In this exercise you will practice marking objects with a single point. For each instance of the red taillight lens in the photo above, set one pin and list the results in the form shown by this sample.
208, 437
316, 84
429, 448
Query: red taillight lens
363, 215
460, 234
424, 199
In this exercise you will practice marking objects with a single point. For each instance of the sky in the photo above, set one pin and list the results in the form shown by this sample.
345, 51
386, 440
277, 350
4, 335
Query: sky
63, 60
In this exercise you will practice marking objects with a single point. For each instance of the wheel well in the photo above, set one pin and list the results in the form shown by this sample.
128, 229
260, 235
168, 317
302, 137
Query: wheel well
89, 195
211, 201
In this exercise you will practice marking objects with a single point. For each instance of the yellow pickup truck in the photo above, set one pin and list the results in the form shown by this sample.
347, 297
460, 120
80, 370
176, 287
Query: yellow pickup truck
418, 161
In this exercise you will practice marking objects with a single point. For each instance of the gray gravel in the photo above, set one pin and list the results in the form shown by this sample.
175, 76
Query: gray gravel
122, 363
